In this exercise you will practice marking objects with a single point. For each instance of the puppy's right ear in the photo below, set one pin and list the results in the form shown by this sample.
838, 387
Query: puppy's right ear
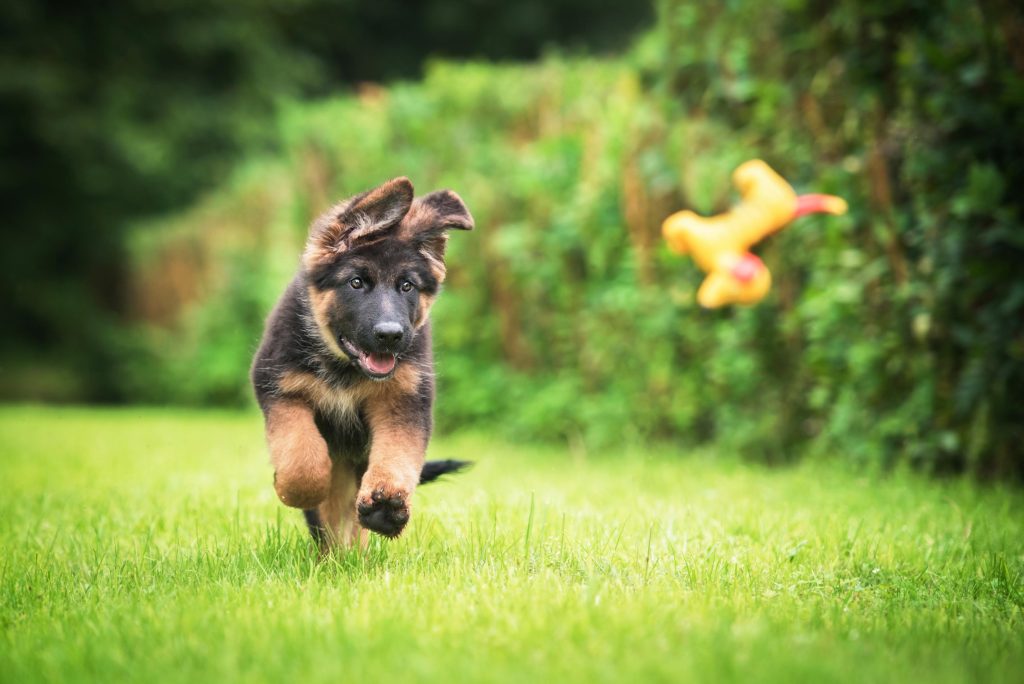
427, 224
359, 219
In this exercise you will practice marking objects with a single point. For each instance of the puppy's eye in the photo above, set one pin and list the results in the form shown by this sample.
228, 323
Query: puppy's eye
407, 285
356, 283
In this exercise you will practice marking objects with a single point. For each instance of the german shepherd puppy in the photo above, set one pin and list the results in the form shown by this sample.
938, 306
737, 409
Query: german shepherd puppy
344, 373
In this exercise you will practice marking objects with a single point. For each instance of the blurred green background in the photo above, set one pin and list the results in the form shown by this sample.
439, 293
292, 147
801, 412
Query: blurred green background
161, 162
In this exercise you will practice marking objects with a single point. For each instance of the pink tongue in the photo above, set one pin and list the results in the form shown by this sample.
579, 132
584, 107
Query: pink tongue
380, 363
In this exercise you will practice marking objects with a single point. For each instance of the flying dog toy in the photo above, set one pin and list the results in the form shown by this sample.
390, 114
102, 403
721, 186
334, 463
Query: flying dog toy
720, 244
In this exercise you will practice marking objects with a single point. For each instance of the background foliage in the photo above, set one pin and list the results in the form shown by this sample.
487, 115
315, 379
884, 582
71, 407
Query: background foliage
894, 333
115, 110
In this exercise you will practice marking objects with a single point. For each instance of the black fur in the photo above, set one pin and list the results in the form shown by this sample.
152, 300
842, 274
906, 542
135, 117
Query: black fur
435, 469
315, 525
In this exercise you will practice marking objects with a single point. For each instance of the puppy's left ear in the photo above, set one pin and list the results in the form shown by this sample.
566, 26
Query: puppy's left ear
428, 222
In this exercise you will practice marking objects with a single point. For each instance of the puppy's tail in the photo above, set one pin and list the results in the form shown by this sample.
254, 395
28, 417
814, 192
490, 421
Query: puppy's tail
435, 469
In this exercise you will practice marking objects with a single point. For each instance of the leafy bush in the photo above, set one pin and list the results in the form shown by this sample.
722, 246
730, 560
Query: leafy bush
113, 112
910, 326
893, 333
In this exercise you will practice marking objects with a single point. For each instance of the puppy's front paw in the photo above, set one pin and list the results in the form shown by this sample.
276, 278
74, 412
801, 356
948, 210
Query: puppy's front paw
384, 512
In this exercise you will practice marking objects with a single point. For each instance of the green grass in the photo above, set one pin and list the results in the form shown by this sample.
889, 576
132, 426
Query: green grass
147, 546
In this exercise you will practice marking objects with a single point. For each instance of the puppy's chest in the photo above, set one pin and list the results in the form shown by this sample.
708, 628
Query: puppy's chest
347, 435
339, 410
343, 406
335, 403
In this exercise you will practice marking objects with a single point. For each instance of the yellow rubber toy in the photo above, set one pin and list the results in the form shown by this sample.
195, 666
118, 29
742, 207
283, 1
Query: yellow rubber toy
721, 244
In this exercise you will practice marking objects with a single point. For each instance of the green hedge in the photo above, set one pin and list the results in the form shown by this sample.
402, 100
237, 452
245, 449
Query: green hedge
893, 333
923, 104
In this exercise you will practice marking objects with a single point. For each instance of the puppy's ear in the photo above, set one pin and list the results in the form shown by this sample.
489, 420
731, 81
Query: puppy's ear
428, 222
361, 218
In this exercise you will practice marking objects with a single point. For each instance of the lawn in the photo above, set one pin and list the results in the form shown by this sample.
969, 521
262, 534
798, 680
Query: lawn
147, 546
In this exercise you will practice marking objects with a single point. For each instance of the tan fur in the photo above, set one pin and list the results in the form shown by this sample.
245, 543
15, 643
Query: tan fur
426, 302
341, 402
338, 511
405, 381
320, 303
437, 267
302, 466
397, 452
422, 215
324, 398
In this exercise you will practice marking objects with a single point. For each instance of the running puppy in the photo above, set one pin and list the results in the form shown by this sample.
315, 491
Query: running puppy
344, 373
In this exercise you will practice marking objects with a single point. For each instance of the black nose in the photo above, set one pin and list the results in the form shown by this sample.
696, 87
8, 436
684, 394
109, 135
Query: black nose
388, 332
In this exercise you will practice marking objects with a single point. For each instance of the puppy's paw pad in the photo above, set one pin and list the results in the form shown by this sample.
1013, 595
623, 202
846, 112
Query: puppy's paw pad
383, 513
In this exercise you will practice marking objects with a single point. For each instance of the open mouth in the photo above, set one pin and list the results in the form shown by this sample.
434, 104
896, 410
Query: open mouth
377, 366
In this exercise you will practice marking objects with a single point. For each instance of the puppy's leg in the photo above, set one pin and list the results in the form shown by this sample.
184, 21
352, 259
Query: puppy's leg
398, 444
302, 467
338, 511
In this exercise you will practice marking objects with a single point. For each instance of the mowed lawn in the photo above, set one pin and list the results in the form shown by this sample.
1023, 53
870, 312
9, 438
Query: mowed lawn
147, 546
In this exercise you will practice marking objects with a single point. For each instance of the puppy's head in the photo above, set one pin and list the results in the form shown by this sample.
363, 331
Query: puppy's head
373, 265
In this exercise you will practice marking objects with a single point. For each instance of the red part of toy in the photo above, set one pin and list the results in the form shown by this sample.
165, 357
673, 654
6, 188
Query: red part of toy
747, 267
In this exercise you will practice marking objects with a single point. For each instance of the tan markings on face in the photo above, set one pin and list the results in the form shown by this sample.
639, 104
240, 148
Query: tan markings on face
321, 302
426, 301
302, 467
